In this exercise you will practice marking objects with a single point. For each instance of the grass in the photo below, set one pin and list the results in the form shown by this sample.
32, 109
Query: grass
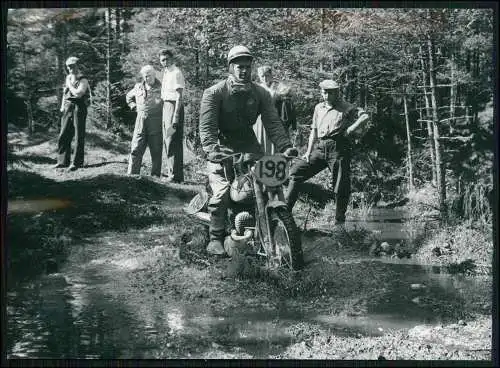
102, 203
462, 244
464, 240
99, 198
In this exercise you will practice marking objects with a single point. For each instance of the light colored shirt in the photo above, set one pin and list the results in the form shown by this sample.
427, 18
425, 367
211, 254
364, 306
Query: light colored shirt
172, 80
330, 121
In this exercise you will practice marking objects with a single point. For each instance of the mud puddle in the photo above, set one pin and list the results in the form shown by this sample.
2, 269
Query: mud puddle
90, 309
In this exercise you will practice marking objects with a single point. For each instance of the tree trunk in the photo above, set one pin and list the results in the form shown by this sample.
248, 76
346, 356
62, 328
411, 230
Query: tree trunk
366, 96
428, 112
118, 19
125, 15
453, 93
27, 90
408, 136
475, 97
207, 67
197, 66
353, 78
108, 69
29, 111
322, 32
441, 178
347, 88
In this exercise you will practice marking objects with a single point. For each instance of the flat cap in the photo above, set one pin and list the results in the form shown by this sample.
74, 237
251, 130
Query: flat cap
237, 52
329, 84
72, 60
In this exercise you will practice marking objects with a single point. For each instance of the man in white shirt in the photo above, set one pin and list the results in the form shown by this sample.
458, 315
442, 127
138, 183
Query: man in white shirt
173, 85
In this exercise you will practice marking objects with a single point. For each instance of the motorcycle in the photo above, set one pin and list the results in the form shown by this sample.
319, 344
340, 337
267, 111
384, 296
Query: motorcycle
259, 219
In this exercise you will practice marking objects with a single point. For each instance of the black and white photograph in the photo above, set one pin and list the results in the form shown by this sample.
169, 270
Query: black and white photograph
175, 188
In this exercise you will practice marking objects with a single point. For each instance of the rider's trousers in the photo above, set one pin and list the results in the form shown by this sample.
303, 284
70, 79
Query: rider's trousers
219, 201
326, 153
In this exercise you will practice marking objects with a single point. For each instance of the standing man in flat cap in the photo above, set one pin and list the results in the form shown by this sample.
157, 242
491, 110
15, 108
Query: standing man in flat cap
335, 123
173, 85
229, 109
76, 98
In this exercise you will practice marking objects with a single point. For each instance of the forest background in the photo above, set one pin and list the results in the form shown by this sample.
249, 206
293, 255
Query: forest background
426, 77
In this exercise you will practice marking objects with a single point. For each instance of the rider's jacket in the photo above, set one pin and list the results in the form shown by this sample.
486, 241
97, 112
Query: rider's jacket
227, 116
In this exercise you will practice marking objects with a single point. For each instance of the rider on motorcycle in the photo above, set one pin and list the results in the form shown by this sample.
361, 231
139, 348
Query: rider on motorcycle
228, 111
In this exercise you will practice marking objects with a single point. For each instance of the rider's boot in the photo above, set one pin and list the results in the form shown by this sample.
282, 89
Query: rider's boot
217, 231
216, 247
217, 207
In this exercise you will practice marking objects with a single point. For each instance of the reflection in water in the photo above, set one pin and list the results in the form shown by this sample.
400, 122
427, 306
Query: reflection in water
175, 319
58, 319
442, 298
51, 319
89, 311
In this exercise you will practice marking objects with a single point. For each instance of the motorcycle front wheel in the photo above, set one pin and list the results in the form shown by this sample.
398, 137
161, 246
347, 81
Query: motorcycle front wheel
287, 245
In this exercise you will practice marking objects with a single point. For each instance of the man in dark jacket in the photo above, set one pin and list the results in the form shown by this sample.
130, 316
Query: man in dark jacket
228, 111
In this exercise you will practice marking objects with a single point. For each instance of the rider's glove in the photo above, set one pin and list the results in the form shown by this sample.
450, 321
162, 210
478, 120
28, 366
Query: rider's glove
219, 153
291, 152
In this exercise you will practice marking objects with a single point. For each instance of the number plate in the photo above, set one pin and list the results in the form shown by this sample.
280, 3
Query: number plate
271, 170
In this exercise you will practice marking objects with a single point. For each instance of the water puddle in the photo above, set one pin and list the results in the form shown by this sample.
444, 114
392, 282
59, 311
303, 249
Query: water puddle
88, 310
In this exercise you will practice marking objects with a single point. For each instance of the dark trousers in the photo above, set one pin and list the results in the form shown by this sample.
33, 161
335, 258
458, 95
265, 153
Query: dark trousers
174, 148
336, 155
72, 123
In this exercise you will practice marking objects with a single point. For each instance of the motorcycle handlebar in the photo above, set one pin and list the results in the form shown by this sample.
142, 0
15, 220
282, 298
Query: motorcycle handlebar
223, 156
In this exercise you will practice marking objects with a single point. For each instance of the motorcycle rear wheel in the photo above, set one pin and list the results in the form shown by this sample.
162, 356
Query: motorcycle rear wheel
286, 240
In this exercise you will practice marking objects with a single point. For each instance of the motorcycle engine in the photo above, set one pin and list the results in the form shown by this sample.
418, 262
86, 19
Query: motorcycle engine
241, 190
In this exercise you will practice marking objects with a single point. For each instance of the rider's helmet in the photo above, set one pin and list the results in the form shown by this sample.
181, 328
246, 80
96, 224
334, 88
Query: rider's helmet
237, 52
241, 190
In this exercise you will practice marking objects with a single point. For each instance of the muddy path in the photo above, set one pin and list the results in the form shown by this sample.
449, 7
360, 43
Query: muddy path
136, 282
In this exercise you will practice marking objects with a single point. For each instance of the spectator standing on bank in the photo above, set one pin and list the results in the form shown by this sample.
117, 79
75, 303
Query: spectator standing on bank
173, 85
145, 98
335, 123
76, 99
